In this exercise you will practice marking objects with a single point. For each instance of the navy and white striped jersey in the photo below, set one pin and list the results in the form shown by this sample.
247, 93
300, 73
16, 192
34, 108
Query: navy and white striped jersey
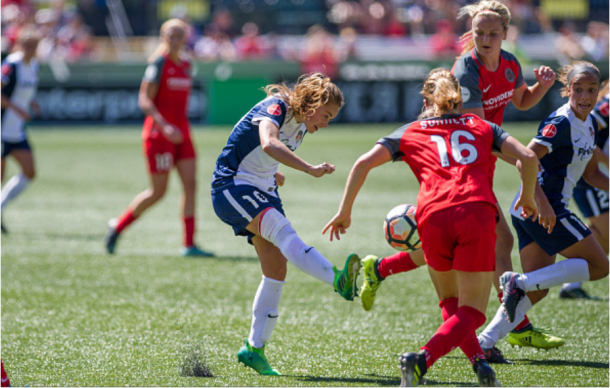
19, 84
571, 143
243, 160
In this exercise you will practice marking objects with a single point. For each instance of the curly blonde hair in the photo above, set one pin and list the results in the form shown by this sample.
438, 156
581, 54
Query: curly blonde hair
309, 93
487, 8
165, 28
442, 91
565, 74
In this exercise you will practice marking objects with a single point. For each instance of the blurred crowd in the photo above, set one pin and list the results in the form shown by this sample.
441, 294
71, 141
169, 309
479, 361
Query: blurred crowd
229, 34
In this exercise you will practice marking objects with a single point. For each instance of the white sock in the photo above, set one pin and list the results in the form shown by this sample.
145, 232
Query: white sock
13, 188
276, 228
264, 311
565, 271
571, 286
499, 327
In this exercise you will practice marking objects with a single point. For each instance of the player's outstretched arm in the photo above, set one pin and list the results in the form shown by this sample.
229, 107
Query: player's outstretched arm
528, 163
525, 98
594, 176
270, 142
377, 156
146, 96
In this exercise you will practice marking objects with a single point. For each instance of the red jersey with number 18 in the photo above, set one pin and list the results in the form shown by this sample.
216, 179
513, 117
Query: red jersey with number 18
450, 156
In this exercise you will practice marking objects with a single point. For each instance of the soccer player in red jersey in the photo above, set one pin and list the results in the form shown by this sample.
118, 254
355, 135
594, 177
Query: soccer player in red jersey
163, 97
450, 154
490, 78
5, 380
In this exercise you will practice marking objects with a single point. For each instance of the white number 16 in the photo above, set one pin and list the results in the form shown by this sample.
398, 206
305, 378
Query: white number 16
456, 148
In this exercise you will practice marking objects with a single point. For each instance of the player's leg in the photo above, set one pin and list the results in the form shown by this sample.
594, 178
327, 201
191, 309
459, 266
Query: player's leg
599, 227
274, 227
19, 182
142, 201
265, 307
187, 172
2, 227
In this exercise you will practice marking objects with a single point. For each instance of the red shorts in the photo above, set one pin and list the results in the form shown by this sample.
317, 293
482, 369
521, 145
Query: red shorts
461, 237
162, 154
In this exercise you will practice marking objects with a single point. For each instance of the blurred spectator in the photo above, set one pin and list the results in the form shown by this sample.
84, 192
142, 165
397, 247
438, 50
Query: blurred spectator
215, 45
346, 47
222, 21
74, 39
444, 42
249, 45
595, 43
319, 54
394, 27
511, 44
568, 45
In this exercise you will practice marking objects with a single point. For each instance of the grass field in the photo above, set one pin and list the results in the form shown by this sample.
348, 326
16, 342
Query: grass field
74, 316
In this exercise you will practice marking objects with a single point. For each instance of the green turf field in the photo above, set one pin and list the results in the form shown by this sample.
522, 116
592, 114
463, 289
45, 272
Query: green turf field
74, 316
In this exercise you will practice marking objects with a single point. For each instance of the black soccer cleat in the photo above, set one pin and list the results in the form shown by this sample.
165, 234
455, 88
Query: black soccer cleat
111, 238
486, 375
576, 293
495, 356
511, 294
413, 368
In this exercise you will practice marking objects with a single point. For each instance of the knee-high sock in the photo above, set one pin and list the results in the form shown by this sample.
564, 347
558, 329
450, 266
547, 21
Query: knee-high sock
499, 327
396, 263
565, 271
470, 346
189, 230
276, 228
452, 332
13, 188
524, 323
265, 311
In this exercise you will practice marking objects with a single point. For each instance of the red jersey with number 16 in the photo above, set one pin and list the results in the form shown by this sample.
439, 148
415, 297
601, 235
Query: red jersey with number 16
174, 82
450, 156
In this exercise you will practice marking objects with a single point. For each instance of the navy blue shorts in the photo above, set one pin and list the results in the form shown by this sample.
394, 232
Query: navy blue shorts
8, 147
568, 230
592, 202
237, 205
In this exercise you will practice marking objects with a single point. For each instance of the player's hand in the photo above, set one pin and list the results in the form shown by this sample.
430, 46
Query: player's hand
172, 134
545, 76
35, 107
22, 113
321, 170
338, 225
280, 179
529, 207
546, 217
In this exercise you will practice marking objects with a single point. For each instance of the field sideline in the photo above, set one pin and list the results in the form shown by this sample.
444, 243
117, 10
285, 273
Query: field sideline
74, 316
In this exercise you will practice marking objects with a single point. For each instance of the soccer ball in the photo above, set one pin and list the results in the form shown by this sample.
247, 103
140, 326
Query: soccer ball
400, 228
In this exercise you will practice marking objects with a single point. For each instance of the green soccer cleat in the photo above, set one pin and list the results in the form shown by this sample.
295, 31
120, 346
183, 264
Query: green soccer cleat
345, 280
371, 282
255, 359
534, 337
195, 251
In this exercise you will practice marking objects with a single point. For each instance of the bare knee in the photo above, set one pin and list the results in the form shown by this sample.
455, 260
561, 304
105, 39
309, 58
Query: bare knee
29, 173
600, 271
190, 185
155, 194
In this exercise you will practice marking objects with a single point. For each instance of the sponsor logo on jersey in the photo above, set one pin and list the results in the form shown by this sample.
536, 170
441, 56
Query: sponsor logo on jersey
549, 131
486, 89
500, 98
510, 76
585, 153
179, 83
274, 109
604, 109
465, 94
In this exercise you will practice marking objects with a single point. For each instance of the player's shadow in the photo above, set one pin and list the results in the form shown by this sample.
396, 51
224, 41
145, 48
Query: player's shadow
377, 380
583, 364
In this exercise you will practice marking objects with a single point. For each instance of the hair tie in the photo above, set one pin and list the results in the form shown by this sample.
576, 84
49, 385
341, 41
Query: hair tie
580, 68
494, 11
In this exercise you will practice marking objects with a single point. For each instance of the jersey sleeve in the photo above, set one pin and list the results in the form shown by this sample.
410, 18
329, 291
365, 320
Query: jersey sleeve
519, 77
554, 133
153, 71
9, 74
392, 143
272, 109
500, 136
465, 70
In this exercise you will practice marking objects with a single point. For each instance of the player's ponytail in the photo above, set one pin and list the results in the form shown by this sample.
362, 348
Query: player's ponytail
165, 28
309, 93
486, 8
567, 73
442, 92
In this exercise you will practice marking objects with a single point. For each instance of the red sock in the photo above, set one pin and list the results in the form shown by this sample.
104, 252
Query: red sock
470, 346
189, 230
397, 263
452, 332
125, 220
5, 381
525, 320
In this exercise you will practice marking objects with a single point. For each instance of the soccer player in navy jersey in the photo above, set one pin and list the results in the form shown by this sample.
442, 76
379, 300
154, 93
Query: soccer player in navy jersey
245, 196
450, 154
565, 146
490, 79
19, 84
593, 202
163, 97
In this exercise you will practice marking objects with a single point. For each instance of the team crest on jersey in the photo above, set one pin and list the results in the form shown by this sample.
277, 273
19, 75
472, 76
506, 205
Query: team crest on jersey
591, 132
274, 109
549, 131
510, 76
299, 137
604, 109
